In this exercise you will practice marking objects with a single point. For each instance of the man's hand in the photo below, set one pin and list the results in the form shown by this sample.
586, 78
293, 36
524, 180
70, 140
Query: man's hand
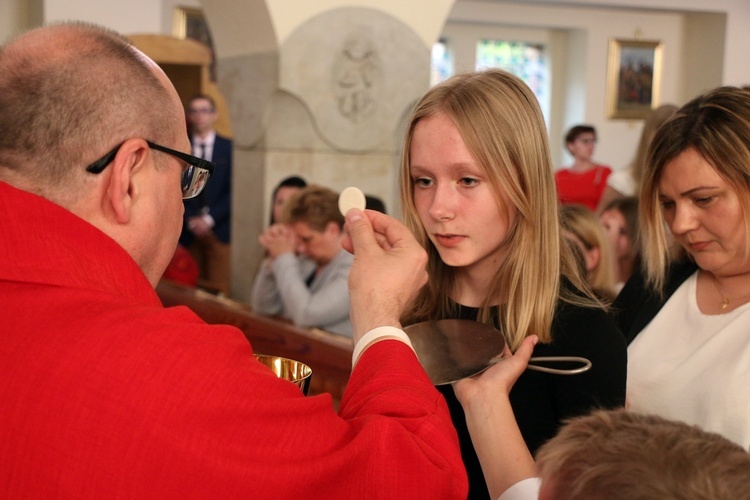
388, 270
278, 239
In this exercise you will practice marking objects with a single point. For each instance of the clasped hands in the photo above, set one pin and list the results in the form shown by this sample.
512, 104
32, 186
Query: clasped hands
278, 239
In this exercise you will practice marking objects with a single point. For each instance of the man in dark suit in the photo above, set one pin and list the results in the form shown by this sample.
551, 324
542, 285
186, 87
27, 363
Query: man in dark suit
206, 232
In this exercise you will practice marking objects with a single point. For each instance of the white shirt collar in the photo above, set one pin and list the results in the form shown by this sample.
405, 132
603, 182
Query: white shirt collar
206, 141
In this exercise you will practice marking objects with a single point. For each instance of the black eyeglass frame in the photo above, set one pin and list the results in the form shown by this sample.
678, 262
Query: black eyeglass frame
99, 165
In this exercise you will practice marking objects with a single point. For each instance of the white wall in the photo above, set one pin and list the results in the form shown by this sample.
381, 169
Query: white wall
580, 71
287, 15
131, 16
736, 68
705, 36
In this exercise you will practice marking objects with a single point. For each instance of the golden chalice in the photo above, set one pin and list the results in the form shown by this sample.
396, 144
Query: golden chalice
294, 371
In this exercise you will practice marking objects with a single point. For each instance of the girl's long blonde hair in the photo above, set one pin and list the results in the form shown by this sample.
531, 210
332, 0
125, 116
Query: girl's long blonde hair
502, 126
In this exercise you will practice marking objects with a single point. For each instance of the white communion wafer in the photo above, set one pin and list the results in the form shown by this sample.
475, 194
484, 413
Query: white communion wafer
349, 198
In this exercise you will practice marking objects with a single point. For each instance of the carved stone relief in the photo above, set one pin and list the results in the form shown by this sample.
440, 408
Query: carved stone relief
357, 70
358, 78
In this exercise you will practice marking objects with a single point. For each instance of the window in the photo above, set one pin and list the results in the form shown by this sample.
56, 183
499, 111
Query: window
442, 62
525, 60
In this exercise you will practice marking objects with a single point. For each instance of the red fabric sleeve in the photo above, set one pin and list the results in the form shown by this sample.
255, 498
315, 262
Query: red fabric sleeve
106, 394
153, 403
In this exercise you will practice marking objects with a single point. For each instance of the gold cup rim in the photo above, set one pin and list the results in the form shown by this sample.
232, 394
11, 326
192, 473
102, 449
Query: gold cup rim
294, 371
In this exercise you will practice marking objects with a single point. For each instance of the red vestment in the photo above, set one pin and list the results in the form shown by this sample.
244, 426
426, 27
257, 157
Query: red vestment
107, 394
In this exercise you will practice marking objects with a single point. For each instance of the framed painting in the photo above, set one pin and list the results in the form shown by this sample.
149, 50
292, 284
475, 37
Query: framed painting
633, 78
190, 23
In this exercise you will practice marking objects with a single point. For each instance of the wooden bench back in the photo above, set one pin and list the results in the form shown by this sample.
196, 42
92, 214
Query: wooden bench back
329, 355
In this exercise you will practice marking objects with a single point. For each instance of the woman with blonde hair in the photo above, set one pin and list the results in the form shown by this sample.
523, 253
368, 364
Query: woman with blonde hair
585, 231
479, 194
686, 318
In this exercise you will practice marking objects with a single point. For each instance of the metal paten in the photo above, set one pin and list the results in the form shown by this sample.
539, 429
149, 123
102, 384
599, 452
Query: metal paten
452, 349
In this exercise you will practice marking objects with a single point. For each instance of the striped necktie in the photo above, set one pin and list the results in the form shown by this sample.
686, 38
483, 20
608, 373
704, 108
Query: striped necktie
200, 150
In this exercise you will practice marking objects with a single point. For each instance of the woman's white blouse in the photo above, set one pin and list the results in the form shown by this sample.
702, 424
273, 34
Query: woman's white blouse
693, 367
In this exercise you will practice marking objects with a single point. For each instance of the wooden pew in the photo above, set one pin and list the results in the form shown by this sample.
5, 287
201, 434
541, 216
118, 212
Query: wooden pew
329, 355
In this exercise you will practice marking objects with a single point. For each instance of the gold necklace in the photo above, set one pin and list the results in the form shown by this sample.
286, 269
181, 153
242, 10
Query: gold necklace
724, 300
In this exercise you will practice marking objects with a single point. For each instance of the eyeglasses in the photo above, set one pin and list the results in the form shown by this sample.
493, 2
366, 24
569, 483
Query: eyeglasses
194, 177
586, 140
200, 111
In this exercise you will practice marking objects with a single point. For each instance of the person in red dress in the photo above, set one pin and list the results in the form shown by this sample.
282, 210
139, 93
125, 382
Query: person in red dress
584, 181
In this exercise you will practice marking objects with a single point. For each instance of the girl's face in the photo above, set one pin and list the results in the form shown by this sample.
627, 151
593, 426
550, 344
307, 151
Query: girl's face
617, 232
704, 214
454, 200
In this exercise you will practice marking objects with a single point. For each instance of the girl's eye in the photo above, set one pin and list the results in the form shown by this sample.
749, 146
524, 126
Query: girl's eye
469, 181
422, 182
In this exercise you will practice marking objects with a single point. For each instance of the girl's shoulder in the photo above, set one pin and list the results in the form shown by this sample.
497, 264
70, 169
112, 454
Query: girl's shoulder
568, 313
576, 320
590, 333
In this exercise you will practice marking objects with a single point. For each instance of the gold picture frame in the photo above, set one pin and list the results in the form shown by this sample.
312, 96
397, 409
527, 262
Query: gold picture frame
188, 22
633, 78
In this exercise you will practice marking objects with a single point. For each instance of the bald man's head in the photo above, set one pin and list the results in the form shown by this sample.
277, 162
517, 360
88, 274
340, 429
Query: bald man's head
68, 94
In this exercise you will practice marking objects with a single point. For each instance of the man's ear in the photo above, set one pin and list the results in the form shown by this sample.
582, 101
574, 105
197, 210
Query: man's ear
123, 188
